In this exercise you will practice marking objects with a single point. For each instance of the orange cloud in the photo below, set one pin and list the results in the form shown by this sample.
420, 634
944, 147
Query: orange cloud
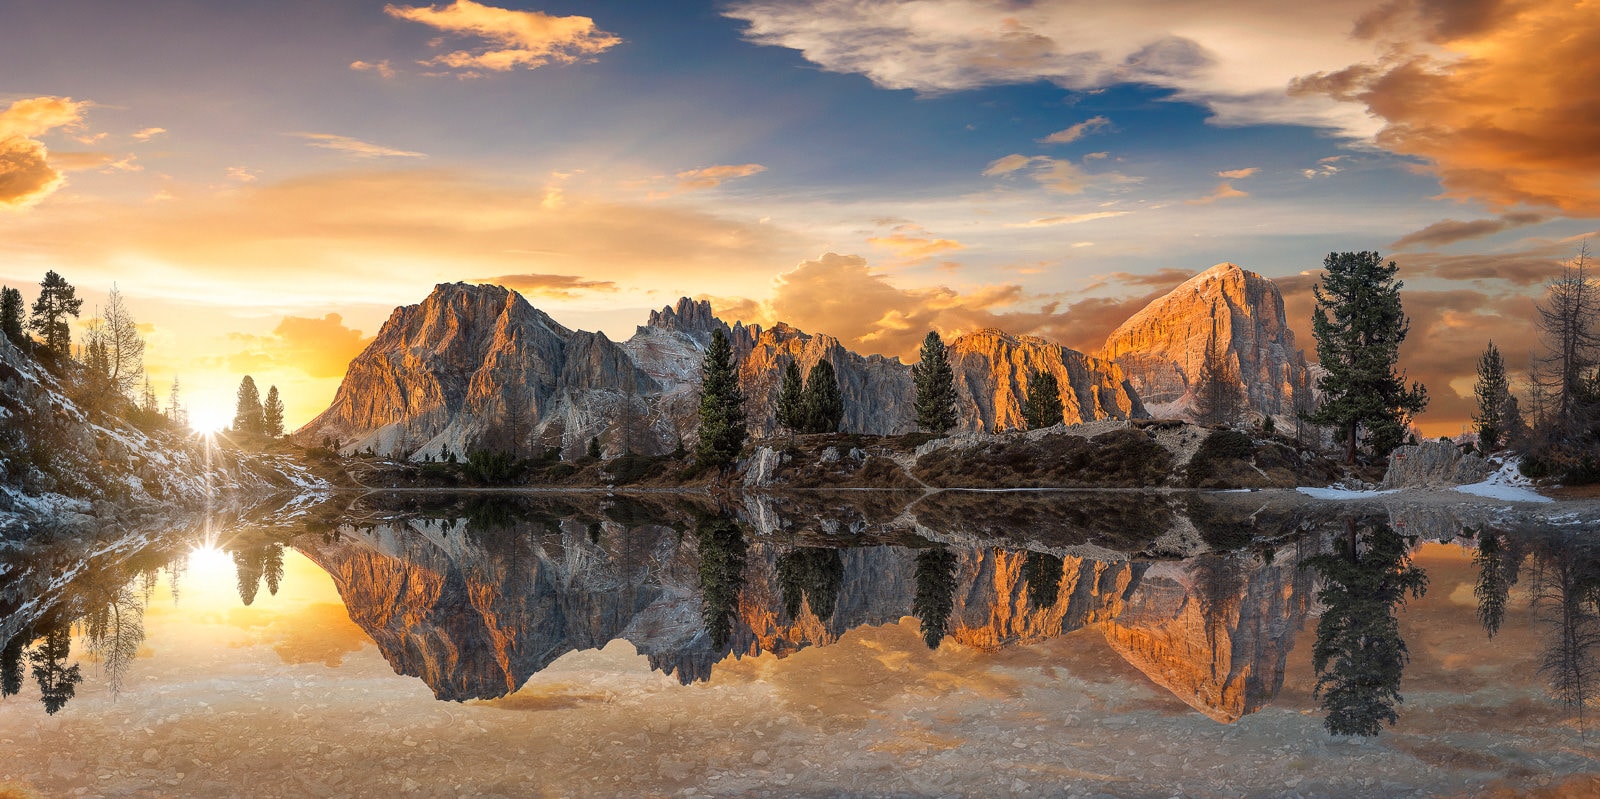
1238, 174
713, 176
510, 38
26, 174
557, 286
148, 133
355, 147
1223, 191
1055, 174
318, 347
1070, 219
1502, 108
842, 295
1078, 131
912, 244
381, 67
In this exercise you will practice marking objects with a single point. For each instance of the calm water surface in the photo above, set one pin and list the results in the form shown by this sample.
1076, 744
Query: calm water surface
594, 646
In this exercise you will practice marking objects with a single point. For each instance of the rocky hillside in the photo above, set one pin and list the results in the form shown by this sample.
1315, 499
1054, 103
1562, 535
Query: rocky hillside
1162, 347
62, 467
477, 367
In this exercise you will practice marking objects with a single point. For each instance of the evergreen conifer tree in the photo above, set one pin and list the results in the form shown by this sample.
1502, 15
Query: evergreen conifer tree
791, 401
11, 315
272, 413
248, 415
722, 427
1494, 397
1042, 408
57, 300
935, 384
1359, 325
936, 591
821, 403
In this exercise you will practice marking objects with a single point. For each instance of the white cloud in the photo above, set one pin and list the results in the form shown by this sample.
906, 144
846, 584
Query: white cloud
148, 133
1236, 59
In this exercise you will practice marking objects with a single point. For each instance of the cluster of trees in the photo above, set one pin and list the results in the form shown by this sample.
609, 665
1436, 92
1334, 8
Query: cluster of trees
1560, 434
108, 374
815, 406
252, 415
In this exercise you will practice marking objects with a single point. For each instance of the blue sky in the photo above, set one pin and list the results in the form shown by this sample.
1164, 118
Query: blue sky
243, 170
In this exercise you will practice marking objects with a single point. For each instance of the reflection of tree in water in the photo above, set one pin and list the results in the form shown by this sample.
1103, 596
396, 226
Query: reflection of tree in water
256, 563
11, 656
722, 555
1566, 598
114, 630
1359, 655
817, 573
1041, 572
1498, 563
58, 682
936, 592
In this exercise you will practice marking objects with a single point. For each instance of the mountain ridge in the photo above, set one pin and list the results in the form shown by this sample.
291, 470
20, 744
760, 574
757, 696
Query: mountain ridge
476, 366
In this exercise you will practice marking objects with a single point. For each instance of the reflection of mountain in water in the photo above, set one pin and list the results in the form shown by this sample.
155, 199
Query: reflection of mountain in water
475, 609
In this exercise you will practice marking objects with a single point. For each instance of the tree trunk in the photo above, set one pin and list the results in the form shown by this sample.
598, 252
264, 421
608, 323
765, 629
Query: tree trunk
1350, 445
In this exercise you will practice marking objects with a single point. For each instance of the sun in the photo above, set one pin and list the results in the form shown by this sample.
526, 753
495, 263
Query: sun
207, 421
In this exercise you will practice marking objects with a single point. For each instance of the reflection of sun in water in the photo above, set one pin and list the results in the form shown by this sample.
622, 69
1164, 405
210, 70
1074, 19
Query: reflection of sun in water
209, 560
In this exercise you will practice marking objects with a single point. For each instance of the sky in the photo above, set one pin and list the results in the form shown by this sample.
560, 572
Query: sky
266, 182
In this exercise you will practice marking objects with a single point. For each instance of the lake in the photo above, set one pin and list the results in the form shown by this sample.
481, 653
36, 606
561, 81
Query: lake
849, 644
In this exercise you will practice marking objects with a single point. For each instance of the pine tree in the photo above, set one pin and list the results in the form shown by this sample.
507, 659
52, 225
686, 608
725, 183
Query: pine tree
593, 450
248, 415
1042, 408
1494, 397
57, 300
935, 383
174, 406
822, 406
1359, 325
722, 428
791, 402
11, 315
1218, 393
147, 398
272, 413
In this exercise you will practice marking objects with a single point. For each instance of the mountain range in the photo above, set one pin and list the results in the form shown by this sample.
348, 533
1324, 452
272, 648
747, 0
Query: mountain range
477, 366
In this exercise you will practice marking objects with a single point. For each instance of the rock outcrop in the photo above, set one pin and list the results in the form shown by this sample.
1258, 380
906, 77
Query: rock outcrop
992, 369
877, 391
1434, 464
1162, 347
476, 366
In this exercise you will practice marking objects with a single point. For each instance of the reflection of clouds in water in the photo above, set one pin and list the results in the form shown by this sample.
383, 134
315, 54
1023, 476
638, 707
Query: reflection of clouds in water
321, 633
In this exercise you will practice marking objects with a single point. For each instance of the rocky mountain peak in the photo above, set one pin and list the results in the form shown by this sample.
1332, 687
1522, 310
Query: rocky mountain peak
1162, 347
993, 367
